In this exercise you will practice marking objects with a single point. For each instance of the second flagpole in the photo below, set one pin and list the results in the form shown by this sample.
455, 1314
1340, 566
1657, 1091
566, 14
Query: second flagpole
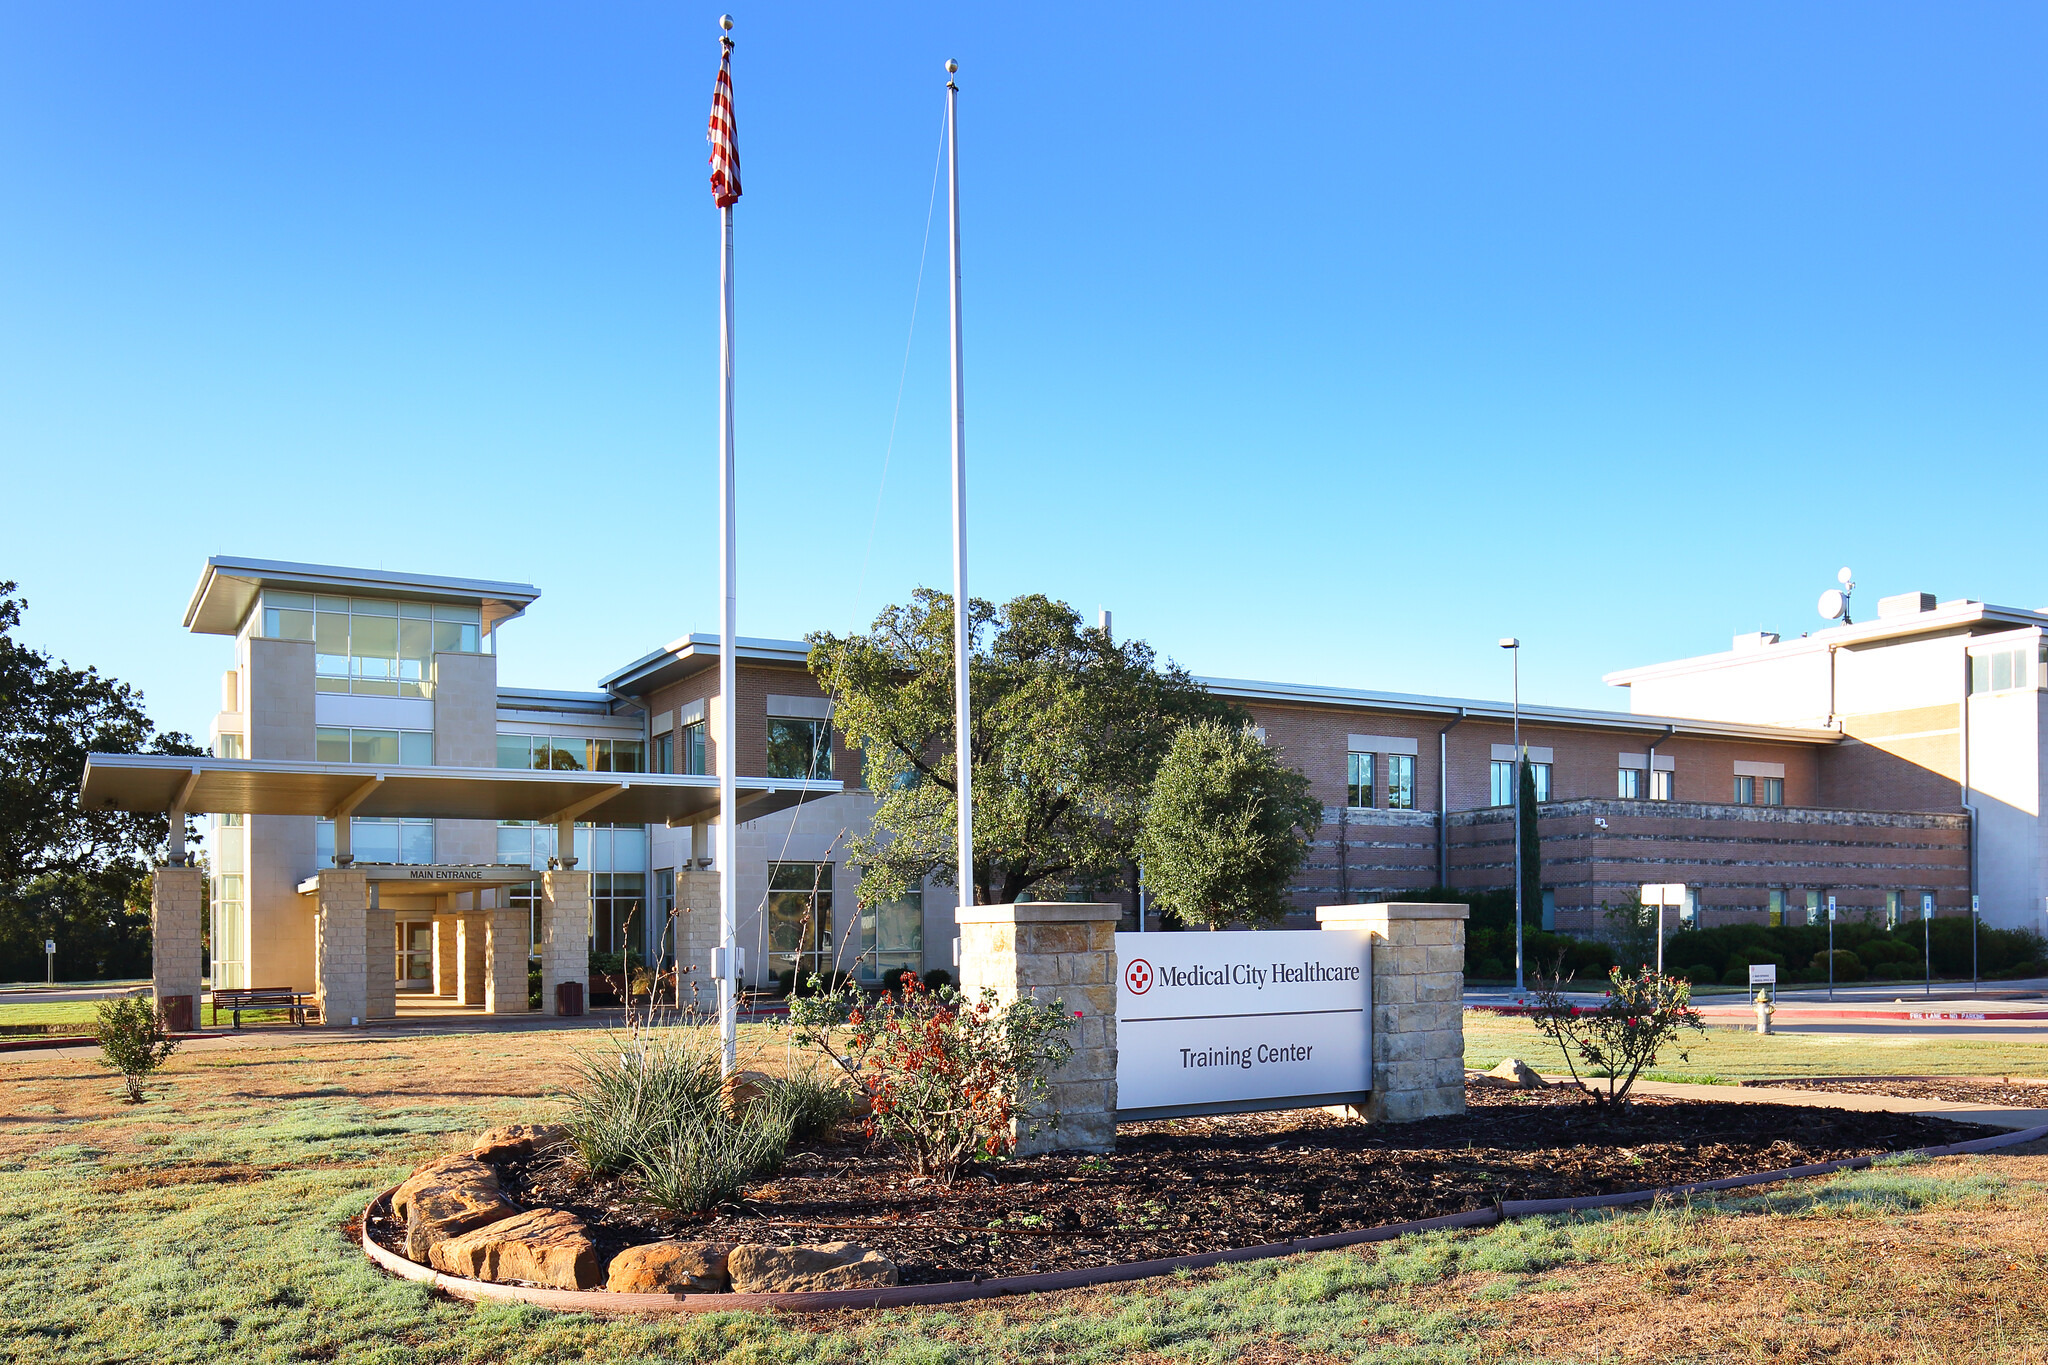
963, 634
725, 187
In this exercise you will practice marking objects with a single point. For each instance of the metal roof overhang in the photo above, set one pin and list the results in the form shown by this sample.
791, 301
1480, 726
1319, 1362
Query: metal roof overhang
153, 784
228, 586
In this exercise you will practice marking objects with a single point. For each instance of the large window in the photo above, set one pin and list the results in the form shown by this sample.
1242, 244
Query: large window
372, 646
1629, 785
892, 935
599, 848
1358, 781
1999, 670
618, 902
1400, 782
663, 758
1541, 772
1759, 791
228, 745
693, 749
799, 748
229, 953
1660, 785
392, 748
799, 920
377, 841
553, 753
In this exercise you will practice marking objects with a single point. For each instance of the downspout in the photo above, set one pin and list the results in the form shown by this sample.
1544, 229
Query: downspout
1831, 680
1969, 804
1443, 800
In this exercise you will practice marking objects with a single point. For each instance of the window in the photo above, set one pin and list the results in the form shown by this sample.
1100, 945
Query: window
1999, 670
799, 919
892, 935
228, 745
1400, 782
1630, 783
390, 748
599, 848
693, 749
661, 908
1504, 783
664, 753
1660, 785
229, 959
377, 841
553, 753
799, 748
1358, 781
1745, 791
1541, 772
372, 646
1776, 905
1770, 791
617, 910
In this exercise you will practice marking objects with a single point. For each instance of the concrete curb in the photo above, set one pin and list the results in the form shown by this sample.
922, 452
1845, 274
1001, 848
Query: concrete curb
962, 1291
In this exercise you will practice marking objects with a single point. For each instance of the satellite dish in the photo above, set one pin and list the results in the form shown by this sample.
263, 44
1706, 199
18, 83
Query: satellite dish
1833, 604
1844, 577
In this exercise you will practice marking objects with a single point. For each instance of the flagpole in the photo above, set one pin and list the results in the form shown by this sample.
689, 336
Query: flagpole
963, 643
728, 648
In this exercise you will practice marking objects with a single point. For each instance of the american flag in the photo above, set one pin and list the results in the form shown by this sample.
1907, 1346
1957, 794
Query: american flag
725, 141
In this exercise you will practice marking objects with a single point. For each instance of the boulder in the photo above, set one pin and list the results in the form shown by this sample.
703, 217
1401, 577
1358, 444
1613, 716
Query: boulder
742, 1088
541, 1246
670, 1268
758, 1269
1517, 1072
517, 1140
448, 1198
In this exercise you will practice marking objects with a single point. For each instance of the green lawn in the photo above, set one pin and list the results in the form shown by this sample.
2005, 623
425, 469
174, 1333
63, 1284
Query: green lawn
67, 1012
1729, 1055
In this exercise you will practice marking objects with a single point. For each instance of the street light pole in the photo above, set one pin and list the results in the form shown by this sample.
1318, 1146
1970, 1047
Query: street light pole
1514, 647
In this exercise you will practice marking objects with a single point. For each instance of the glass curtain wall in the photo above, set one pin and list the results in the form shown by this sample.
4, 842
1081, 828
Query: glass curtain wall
379, 647
892, 936
799, 921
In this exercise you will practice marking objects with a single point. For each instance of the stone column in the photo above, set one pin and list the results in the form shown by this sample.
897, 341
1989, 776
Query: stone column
380, 935
341, 947
506, 930
1056, 950
565, 934
1418, 1011
696, 934
174, 938
447, 955
470, 934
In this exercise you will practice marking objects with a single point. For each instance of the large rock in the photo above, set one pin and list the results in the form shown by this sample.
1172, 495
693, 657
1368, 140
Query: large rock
670, 1268
448, 1198
516, 1140
1517, 1072
741, 1088
541, 1246
757, 1269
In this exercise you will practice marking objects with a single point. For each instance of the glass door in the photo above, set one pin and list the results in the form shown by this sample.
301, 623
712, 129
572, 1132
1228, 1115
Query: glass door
799, 922
415, 955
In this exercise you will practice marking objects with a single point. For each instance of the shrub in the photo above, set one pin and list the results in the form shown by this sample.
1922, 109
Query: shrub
818, 1097
1623, 1035
133, 1040
1701, 976
701, 1155
1491, 969
1848, 966
1736, 976
937, 978
1895, 971
947, 1077
629, 1093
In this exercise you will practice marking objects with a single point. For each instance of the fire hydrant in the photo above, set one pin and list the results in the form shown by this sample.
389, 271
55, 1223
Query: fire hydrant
1763, 1012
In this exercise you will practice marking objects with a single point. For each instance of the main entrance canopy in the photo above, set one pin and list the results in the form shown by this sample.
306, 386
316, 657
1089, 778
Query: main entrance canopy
152, 784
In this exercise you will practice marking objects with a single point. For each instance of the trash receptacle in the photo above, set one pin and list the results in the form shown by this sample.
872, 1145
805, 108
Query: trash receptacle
177, 1011
569, 999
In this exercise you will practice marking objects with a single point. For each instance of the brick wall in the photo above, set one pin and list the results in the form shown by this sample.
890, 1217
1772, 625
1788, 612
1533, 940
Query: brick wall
755, 682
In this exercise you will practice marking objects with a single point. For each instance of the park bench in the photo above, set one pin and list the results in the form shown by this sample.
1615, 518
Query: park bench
236, 999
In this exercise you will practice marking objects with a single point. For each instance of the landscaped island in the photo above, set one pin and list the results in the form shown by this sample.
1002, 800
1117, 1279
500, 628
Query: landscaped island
843, 1212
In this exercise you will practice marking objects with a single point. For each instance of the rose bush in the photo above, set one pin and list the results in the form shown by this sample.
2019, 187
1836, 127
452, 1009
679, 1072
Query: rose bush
1622, 1036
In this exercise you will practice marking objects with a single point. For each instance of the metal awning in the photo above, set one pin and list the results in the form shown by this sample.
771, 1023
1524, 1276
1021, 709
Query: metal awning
155, 784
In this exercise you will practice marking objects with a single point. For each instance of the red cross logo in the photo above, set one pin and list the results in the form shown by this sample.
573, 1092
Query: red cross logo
1138, 976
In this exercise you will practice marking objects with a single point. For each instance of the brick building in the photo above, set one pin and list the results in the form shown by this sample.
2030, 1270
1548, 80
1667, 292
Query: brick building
1881, 764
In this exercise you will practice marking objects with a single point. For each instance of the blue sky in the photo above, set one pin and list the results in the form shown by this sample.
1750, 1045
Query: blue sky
1321, 343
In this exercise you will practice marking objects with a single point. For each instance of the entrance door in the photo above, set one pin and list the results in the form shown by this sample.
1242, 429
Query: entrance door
415, 955
799, 921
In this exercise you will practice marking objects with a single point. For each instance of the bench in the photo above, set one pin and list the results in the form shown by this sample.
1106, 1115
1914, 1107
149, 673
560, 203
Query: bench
252, 998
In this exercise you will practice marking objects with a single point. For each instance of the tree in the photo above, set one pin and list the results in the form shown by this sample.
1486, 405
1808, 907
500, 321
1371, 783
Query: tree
1069, 727
1227, 827
1532, 847
75, 875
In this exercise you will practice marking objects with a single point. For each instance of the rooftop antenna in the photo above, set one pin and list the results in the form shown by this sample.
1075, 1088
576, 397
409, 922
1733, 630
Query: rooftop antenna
1834, 603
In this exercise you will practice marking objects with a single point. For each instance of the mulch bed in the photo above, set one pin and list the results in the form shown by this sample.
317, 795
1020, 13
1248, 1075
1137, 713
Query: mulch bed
1180, 1186
1984, 1090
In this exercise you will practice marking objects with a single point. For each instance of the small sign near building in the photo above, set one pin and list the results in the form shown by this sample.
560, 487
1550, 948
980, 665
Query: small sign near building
1218, 1023
1763, 973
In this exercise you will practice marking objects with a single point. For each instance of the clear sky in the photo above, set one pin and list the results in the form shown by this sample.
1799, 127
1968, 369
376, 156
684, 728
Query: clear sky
1326, 344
